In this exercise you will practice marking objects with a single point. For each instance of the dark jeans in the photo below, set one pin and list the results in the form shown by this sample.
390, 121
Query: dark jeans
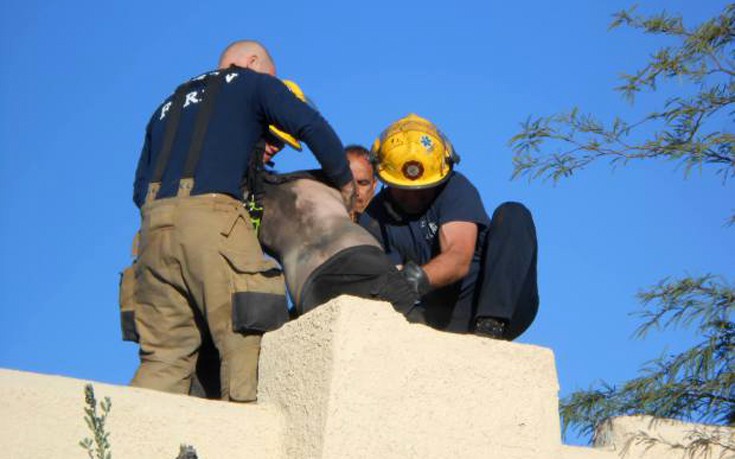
506, 285
363, 271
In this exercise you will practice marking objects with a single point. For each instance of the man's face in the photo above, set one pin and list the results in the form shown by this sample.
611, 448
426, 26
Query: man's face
413, 202
366, 182
272, 146
270, 151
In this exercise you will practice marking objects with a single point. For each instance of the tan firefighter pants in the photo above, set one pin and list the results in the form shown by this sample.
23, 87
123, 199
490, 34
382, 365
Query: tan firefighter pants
195, 253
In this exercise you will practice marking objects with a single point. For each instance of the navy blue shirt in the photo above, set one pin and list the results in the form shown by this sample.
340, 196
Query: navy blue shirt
416, 237
247, 103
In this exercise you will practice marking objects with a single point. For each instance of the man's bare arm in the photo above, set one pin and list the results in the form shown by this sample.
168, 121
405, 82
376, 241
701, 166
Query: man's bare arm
457, 242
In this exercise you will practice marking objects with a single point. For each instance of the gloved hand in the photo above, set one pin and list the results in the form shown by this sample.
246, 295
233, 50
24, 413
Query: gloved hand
416, 277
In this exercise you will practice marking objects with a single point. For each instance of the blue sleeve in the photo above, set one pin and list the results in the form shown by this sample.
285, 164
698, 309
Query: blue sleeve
371, 221
461, 202
142, 172
286, 111
371, 225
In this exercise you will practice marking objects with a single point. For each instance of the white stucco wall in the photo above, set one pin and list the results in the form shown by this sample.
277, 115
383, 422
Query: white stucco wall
352, 379
394, 389
43, 417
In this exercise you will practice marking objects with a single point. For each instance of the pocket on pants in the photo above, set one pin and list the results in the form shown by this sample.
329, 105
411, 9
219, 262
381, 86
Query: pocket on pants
259, 301
127, 304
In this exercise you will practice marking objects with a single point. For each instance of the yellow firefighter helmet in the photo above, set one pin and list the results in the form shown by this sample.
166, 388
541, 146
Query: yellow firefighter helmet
280, 134
413, 154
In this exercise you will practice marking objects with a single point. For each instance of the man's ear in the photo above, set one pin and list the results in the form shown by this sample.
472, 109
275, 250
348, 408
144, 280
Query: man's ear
252, 61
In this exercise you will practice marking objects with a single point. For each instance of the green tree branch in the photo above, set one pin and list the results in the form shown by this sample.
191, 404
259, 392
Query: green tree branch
697, 384
557, 146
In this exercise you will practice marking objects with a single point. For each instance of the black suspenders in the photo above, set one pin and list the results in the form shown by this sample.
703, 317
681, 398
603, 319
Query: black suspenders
212, 86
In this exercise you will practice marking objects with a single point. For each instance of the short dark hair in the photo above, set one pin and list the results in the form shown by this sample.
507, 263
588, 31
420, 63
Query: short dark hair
363, 152
358, 150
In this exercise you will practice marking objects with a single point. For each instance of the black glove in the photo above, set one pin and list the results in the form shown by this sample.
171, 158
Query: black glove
416, 277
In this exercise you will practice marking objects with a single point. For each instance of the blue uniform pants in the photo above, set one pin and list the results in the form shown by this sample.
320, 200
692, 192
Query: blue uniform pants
506, 286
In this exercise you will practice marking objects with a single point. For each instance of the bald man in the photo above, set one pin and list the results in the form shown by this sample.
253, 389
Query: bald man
200, 269
248, 54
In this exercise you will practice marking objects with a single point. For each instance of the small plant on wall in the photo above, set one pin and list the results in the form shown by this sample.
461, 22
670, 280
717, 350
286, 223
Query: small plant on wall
97, 447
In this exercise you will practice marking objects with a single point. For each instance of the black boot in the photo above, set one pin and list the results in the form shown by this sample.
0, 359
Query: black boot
490, 327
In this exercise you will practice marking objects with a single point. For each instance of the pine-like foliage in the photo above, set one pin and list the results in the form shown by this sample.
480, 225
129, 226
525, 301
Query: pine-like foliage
698, 383
702, 62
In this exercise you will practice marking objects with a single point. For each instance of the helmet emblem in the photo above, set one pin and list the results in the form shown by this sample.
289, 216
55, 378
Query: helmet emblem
412, 170
427, 143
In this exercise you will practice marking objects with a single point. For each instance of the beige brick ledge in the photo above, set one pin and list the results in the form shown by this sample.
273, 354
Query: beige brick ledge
351, 379
42, 417
372, 384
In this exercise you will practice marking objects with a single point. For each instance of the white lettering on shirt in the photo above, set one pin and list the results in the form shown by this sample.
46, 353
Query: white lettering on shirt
432, 229
429, 228
191, 98
164, 109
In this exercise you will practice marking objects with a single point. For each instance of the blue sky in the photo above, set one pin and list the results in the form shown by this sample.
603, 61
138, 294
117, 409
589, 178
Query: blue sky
80, 79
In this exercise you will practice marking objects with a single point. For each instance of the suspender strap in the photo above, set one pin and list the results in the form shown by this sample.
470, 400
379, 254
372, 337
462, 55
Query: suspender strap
212, 85
172, 125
